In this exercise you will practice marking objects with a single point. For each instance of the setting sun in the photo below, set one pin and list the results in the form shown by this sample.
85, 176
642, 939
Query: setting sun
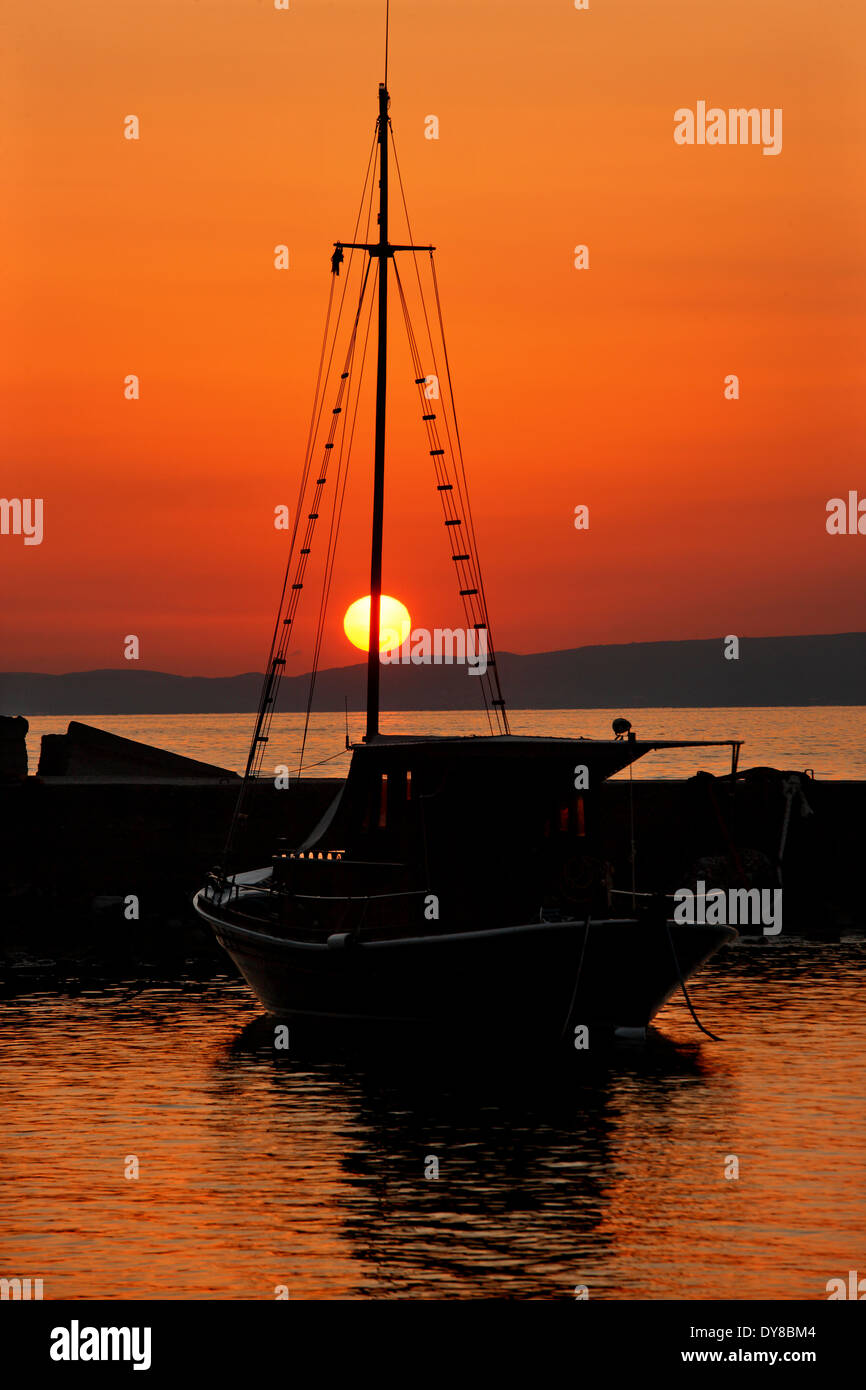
394, 623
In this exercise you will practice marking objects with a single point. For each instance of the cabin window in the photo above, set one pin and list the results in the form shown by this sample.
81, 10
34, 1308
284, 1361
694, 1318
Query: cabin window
383, 801
409, 784
563, 818
579, 816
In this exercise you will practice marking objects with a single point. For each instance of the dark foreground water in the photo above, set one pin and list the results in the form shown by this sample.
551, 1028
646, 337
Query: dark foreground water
258, 1168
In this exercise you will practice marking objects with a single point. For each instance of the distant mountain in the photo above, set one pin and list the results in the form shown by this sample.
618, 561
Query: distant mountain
819, 670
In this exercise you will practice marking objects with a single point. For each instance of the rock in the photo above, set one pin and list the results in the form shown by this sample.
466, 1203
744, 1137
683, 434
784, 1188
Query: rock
13, 747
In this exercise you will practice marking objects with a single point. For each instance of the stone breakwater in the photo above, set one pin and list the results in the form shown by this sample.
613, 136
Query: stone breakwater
106, 843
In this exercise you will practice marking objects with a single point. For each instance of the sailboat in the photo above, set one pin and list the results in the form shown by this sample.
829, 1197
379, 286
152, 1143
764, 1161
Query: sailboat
454, 882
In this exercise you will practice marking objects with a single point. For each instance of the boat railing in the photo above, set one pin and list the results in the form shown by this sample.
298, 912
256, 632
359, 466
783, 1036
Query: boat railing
358, 897
237, 891
627, 893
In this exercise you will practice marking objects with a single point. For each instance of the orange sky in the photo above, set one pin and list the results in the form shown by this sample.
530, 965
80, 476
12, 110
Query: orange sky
602, 387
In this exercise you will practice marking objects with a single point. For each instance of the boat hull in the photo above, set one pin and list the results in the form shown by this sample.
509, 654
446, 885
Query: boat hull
538, 981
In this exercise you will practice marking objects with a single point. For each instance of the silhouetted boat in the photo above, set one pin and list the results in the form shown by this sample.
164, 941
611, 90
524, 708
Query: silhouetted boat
454, 881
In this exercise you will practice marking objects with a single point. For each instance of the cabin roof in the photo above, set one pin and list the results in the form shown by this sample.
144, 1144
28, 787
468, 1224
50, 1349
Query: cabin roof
516, 765
491, 744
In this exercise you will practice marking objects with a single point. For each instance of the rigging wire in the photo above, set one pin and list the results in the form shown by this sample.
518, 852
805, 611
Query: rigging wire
372, 165
443, 485
283, 624
497, 700
466, 501
466, 558
337, 513
470, 578
341, 753
321, 389
337, 418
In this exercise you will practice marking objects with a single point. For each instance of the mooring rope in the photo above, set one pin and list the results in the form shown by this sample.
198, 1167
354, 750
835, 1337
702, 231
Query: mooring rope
714, 1036
577, 977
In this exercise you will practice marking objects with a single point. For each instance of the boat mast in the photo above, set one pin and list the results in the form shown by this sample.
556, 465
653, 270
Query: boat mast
383, 250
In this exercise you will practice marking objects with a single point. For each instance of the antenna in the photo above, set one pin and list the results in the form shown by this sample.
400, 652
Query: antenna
387, 26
